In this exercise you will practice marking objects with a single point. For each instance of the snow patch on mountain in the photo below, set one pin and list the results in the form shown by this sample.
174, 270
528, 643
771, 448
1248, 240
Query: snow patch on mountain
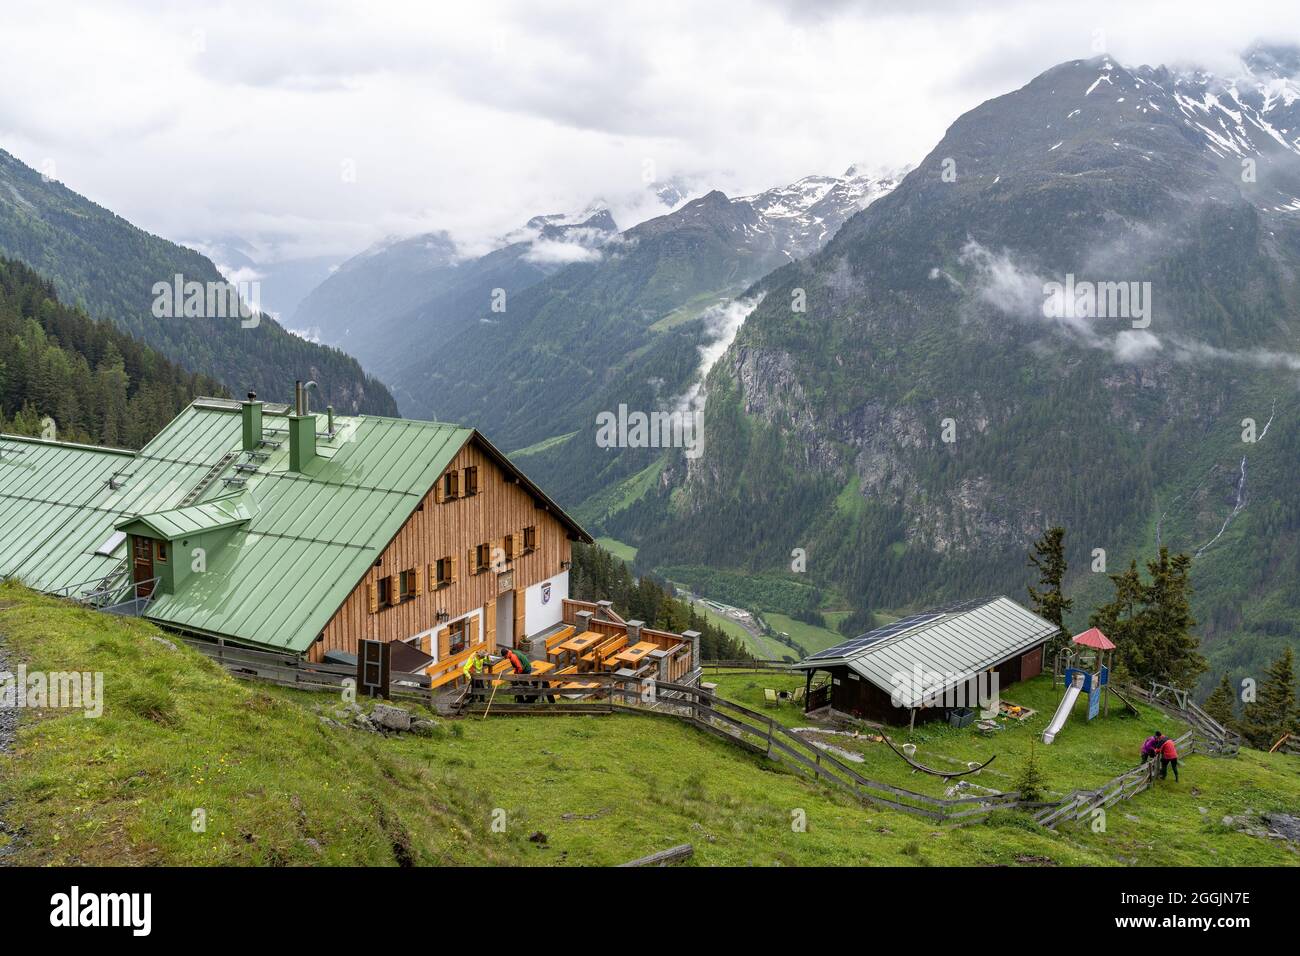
804, 215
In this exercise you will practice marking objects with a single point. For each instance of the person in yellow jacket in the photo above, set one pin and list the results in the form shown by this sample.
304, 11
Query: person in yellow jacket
473, 664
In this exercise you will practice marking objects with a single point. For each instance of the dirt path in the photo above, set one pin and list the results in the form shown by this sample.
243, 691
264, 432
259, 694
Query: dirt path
8, 729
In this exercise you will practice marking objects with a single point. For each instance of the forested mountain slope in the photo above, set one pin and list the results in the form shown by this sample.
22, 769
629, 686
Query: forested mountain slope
101, 262
98, 384
930, 413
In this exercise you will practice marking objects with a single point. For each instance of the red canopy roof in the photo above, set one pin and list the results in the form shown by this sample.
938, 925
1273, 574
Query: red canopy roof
1095, 639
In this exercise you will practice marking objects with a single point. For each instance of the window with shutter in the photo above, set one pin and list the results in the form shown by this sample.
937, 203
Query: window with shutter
508, 546
471, 480
372, 597
441, 573
530, 539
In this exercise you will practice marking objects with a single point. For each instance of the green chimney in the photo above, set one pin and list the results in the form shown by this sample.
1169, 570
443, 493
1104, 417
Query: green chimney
302, 431
252, 410
302, 440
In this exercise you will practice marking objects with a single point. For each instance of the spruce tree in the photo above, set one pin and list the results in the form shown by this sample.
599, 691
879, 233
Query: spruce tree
1120, 620
1168, 622
1051, 603
1029, 782
1219, 704
1273, 712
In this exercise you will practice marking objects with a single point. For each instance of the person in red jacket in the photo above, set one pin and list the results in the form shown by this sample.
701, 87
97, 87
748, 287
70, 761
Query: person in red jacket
1168, 758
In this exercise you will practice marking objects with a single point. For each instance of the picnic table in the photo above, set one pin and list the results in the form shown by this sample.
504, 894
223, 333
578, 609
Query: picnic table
634, 654
575, 645
580, 642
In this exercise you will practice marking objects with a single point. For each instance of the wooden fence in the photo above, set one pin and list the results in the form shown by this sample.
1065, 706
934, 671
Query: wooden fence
1212, 738
754, 666
1287, 744
1084, 803
747, 729
757, 733
289, 670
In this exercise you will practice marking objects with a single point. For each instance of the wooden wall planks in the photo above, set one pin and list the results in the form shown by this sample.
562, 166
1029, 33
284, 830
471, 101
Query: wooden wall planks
451, 528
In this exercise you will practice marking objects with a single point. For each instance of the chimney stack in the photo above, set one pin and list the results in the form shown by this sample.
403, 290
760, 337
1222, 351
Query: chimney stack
302, 429
252, 412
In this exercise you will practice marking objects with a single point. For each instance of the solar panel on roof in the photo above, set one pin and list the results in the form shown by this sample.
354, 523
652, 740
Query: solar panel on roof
862, 641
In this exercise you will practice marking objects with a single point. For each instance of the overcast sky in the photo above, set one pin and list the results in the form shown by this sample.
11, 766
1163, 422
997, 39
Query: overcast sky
319, 128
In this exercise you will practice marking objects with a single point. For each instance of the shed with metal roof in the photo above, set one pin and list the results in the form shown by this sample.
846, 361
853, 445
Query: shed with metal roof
928, 664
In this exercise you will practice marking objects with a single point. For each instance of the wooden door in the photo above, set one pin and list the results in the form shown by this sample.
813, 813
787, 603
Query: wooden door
142, 566
521, 634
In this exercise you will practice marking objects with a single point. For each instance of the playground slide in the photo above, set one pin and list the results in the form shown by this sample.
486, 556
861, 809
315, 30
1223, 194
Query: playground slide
1063, 711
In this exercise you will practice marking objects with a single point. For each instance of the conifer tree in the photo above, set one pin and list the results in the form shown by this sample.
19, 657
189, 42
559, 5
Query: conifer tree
1174, 651
1273, 712
1051, 603
1220, 703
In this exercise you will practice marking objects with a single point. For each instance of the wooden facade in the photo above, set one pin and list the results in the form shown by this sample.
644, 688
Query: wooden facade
853, 694
477, 514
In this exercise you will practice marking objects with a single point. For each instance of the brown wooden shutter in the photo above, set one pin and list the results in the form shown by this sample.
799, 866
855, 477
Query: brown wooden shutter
419, 580
471, 561
437, 491
451, 569
394, 589
490, 624
372, 597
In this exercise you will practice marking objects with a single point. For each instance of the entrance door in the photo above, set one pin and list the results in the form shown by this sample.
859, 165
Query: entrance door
142, 566
506, 619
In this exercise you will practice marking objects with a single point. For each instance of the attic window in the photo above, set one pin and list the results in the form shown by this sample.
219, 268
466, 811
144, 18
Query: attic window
111, 544
471, 480
451, 485
530, 539
482, 557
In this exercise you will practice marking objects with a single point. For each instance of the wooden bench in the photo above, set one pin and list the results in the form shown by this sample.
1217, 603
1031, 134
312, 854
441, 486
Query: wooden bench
594, 655
558, 638
453, 666
608, 650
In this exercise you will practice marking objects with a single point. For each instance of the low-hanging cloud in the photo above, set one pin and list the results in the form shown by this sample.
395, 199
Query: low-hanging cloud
1008, 284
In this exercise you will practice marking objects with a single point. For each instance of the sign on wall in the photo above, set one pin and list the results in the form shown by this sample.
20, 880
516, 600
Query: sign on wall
506, 581
372, 668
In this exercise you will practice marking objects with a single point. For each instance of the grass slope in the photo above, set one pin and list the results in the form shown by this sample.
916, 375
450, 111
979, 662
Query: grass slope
281, 787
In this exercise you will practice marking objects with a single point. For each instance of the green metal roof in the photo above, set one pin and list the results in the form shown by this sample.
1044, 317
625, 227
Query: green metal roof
299, 544
192, 519
311, 537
